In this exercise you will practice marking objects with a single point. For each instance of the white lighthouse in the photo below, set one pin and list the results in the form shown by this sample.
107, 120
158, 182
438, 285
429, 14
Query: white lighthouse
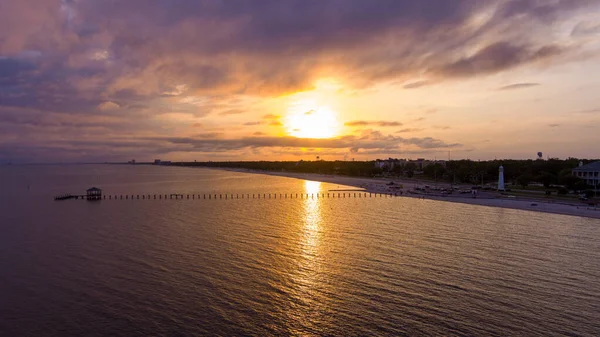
501, 178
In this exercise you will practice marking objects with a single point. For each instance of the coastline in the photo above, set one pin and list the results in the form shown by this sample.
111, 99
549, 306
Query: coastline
379, 185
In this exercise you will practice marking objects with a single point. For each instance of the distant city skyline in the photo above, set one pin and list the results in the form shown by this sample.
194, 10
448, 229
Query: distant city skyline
88, 81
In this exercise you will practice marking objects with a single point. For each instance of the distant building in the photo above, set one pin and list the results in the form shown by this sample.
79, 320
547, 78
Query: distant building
94, 193
590, 173
156, 161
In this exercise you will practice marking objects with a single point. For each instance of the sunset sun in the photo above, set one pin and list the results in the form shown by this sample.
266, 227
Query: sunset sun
312, 123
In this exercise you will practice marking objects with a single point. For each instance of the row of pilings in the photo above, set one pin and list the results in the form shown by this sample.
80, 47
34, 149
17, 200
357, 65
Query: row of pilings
230, 196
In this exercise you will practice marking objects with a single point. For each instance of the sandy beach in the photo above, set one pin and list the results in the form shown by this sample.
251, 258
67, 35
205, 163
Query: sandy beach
380, 185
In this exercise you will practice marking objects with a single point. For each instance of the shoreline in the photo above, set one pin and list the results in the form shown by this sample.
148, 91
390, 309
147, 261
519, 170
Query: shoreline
379, 185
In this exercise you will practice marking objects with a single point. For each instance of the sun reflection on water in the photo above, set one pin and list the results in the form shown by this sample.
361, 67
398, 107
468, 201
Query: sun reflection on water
306, 278
312, 213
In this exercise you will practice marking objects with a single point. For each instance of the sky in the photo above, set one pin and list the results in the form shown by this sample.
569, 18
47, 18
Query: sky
184, 80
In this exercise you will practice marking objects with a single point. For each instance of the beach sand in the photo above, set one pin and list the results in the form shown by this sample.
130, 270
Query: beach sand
379, 185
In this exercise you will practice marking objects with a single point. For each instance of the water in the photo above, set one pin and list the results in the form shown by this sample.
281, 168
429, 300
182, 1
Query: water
377, 267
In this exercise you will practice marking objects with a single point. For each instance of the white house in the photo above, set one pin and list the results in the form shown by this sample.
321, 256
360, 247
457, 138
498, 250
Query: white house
590, 173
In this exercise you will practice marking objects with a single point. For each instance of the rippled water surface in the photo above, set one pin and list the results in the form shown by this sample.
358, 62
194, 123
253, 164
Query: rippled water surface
376, 266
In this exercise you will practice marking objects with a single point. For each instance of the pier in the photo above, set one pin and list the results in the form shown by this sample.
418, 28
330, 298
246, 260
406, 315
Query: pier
230, 196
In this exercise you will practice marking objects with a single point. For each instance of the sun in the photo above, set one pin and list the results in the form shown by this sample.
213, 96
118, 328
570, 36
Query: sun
319, 122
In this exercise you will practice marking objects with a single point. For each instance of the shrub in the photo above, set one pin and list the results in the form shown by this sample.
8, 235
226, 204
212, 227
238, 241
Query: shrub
589, 193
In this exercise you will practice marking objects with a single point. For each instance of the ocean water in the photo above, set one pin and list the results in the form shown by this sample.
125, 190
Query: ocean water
291, 267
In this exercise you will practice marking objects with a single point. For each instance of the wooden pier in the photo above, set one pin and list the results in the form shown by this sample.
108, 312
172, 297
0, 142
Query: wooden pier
231, 196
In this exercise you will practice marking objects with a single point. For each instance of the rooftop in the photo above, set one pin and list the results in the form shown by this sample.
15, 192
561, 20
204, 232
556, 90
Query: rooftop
594, 166
94, 189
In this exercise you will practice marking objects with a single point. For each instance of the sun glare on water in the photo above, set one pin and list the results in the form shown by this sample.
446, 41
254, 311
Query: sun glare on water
320, 122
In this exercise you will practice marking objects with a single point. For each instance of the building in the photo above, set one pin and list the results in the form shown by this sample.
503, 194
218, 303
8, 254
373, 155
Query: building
590, 173
94, 193
157, 162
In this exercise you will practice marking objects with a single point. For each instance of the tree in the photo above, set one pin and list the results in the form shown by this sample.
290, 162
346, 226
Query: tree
547, 179
562, 191
580, 185
589, 193
569, 181
409, 169
524, 179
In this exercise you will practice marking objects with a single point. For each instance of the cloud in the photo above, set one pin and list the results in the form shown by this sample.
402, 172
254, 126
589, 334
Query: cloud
89, 62
415, 85
208, 135
589, 111
377, 123
586, 28
252, 123
271, 116
275, 123
231, 112
442, 127
410, 130
498, 57
518, 86
554, 125
354, 143
108, 106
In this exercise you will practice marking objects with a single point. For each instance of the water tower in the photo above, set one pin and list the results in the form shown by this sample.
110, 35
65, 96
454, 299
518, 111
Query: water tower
501, 178
540, 154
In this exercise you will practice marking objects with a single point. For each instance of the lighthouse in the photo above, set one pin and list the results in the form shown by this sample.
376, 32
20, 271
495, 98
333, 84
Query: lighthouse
501, 178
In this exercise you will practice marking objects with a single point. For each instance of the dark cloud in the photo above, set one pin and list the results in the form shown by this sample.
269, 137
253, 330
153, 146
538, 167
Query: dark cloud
375, 123
518, 86
554, 125
268, 47
497, 57
252, 123
442, 127
209, 135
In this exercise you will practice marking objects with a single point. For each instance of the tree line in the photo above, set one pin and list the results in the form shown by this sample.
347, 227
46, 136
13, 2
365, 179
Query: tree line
549, 172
